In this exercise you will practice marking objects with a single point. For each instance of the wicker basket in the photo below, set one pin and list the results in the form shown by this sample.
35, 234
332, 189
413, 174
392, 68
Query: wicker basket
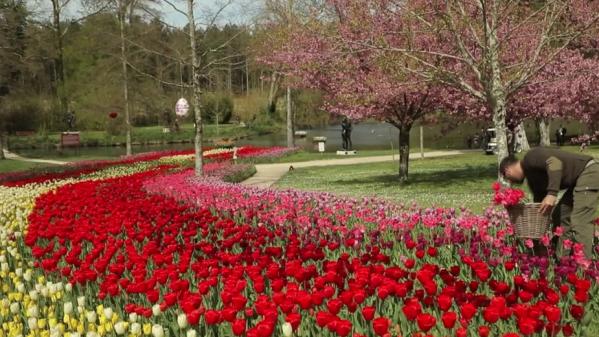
528, 222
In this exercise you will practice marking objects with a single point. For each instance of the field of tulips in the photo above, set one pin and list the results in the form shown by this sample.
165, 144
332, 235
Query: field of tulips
145, 248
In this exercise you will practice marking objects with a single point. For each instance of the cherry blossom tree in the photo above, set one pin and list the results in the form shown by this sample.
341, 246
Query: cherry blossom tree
565, 88
487, 49
359, 83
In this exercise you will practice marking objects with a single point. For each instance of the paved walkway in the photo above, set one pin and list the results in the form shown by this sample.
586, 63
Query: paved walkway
14, 156
268, 174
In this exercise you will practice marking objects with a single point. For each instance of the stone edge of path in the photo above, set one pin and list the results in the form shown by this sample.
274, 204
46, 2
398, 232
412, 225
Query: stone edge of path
268, 174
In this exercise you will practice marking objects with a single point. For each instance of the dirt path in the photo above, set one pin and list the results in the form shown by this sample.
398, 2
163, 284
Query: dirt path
14, 156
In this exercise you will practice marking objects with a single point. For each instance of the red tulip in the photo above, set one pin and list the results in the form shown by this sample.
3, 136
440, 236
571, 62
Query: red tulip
368, 313
411, 311
552, 313
491, 315
426, 322
444, 302
238, 327
343, 327
212, 317
380, 325
577, 311
483, 331
461, 332
527, 325
294, 319
468, 310
449, 318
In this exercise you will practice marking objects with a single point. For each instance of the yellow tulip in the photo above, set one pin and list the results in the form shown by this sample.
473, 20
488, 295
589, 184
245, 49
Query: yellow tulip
147, 329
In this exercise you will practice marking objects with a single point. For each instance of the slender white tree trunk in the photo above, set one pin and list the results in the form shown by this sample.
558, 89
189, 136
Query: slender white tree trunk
272, 92
544, 132
522, 138
290, 139
2, 145
197, 92
122, 14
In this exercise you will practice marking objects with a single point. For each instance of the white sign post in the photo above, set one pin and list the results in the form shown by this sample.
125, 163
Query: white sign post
182, 107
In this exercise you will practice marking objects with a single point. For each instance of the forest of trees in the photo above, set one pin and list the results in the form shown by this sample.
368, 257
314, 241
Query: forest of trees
55, 65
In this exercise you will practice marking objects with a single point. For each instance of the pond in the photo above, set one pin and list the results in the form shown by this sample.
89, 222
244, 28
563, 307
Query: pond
365, 136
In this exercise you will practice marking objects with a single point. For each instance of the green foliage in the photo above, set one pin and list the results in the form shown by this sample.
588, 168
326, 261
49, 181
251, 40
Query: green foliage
217, 107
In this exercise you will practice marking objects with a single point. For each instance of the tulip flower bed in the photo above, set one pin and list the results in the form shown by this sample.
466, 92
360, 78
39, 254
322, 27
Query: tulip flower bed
148, 249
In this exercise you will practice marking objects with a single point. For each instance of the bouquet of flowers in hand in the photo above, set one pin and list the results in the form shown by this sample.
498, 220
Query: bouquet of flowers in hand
507, 196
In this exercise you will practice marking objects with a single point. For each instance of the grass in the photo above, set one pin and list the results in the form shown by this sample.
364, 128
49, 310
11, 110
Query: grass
9, 165
457, 181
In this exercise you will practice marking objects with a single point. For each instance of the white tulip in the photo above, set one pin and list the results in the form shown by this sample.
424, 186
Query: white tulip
287, 329
14, 307
157, 330
55, 333
68, 308
136, 328
19, 272
75, 334
156, 310
44, 291
4, 267
120, 328
2, 258
81, 301
33, 311
91, 316
21, 287
39, 287
182, 321
59, 286
91, 334
133, 317
68, 287
34, 295
192, 333
108, 313
27, 276
32, 323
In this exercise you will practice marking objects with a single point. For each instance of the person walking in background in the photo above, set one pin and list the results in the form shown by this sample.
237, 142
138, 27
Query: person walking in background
562, 132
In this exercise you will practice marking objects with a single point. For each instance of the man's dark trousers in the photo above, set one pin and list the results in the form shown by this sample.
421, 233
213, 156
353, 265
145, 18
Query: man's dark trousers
576, 210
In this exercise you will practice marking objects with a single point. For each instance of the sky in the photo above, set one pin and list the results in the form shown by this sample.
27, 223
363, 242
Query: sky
239, 12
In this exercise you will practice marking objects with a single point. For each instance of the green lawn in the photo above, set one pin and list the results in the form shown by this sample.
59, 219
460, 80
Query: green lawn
9, 165
457, 181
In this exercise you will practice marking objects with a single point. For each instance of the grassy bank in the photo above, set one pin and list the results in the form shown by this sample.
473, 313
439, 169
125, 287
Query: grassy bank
140, 135
9, 165
463, 180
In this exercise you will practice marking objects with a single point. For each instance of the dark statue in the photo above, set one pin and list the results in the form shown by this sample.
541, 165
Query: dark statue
70, 119
346, 134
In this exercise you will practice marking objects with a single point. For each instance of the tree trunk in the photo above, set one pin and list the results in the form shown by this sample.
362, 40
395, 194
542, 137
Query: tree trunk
122, 15
247, 78
522, 138
272, 92
496, 95
544, 132
61, 94
2, 145
196, 80
404, 152
290, 138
